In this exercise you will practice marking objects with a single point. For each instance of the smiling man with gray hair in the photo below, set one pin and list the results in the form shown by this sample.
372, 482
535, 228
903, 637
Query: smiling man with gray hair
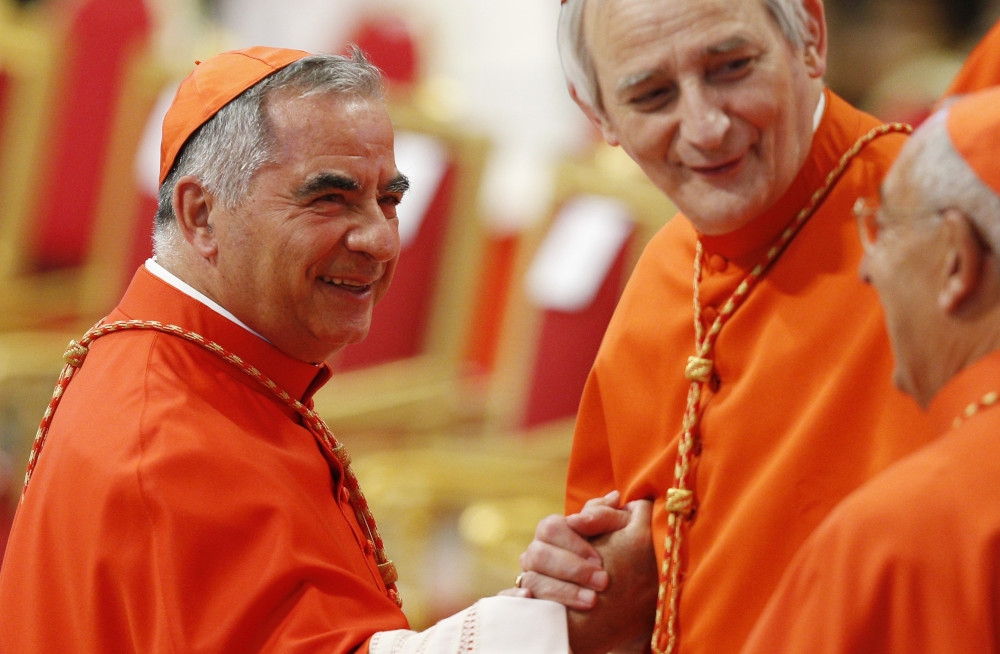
743, 384
182, 495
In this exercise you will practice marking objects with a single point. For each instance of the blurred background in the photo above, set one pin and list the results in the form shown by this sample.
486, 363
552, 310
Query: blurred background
517, 238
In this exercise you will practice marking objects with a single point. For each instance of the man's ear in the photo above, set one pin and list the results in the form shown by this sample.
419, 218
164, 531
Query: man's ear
193, 209
597, 118
815, 45
963, 260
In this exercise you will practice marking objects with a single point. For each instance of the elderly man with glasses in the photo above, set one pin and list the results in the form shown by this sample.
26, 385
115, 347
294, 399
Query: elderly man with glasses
910, 562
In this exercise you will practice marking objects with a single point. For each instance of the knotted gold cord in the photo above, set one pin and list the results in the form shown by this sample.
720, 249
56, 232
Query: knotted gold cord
77, 352
681, 503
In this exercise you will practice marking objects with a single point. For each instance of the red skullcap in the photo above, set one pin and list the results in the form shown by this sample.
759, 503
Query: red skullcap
211, 86
974, 128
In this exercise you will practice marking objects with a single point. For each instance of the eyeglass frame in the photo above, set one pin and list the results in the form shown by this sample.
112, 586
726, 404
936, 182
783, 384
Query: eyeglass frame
866, 211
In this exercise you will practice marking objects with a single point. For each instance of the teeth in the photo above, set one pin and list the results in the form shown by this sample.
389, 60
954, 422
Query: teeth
342, 282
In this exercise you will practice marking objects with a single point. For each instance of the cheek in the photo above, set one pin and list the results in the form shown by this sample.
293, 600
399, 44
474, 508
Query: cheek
644, 136
386, 281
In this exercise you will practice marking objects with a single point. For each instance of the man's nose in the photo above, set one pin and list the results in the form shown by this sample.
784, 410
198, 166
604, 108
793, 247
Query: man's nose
375, 234
703, 122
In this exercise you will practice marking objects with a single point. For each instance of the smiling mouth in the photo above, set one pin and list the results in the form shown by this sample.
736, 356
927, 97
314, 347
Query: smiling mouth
346, 284
721, 169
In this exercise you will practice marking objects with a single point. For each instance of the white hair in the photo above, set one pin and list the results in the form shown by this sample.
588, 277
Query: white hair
943, 179
578, 66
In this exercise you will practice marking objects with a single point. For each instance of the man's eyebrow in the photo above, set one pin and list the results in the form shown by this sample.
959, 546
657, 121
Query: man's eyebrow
399, 184
633, 80
729, 45
327, 182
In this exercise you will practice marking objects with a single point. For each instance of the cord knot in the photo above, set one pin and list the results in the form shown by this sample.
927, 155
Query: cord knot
388, 572
698, 369
680, 501
75, 354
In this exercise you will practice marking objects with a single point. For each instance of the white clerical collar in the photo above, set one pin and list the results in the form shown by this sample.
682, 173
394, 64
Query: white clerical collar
182, 286
820, 108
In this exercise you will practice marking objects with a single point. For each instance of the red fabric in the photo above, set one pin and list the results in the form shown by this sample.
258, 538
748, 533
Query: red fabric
178, 507
566, 347
388, 42
804, 412
910, 562
491, 301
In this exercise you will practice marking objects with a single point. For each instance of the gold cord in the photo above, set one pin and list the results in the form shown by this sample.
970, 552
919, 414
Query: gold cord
77, 352
681, 503
985, 402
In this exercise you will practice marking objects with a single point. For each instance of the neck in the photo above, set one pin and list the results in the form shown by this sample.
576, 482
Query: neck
963, 343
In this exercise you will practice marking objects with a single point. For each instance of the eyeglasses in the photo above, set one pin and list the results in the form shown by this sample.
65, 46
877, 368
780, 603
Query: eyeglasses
867, 211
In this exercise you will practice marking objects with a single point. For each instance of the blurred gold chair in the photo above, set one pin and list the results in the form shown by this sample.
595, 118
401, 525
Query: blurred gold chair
33, 46
41, 311
570, 273
28, 52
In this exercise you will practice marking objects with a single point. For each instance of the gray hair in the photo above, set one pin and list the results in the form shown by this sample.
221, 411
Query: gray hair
943, 178
578, 66
226, 151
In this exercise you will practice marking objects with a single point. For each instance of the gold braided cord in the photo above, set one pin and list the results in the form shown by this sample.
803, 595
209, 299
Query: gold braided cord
77, 352
681, 503
986, 401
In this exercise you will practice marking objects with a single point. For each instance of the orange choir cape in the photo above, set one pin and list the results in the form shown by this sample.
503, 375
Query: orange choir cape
803, 411
982, 67
178, 507
909, 563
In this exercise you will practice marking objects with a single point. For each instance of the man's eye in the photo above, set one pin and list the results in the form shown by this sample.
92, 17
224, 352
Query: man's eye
653, 98
733, 69
331, 197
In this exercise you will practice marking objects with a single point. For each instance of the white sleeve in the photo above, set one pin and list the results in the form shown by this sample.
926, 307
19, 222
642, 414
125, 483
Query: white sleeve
495, 625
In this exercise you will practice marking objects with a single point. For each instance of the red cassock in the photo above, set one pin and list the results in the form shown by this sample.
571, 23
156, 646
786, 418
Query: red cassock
177, 507
802, 411
911, 561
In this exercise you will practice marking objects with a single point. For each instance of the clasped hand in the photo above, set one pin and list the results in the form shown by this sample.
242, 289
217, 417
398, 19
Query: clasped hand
600, 564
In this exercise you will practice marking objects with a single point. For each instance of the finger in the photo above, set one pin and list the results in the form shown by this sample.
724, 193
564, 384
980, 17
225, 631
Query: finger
612, 499
556, 563
556, 531
640, 512
570, 595
597, 520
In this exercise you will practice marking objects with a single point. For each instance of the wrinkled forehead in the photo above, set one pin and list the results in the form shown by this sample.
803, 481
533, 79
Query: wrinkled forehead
622, 30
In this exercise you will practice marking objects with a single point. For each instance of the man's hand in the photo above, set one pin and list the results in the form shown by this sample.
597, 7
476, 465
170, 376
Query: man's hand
561, 564
623, 617
600, 564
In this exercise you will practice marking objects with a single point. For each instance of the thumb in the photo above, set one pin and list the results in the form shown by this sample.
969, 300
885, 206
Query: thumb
640, 513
